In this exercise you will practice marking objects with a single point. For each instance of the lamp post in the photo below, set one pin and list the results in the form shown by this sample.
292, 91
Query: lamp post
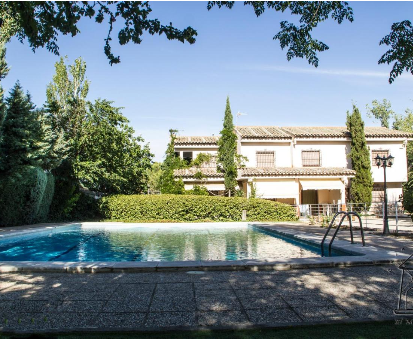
385, 162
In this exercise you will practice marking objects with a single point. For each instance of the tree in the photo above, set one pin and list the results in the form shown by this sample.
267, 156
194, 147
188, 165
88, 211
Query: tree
405, 123
227, 152
42, 22
381, 111
4, 70
400, 39
169, 184
154, 175
110, 159
103, 152
20, 132
66, 101
362, 184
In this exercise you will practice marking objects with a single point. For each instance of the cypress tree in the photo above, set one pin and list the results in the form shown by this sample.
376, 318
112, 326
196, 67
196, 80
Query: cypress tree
20, 131
227, 151
362, 184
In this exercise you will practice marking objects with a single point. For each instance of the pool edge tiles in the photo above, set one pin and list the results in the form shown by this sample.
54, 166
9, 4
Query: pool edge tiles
371, 256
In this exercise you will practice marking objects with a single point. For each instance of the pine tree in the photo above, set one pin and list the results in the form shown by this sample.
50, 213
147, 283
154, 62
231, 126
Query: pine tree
227, 152
4, 70
20, 131
362, 184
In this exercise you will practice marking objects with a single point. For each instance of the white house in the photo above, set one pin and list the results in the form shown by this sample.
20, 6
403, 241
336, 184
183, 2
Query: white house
299, 165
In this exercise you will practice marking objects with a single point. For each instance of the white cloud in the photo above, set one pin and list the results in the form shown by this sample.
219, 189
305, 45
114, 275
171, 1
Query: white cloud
328, 72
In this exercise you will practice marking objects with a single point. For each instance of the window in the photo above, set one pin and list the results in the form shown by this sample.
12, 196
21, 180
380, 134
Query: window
311, 158
187, 156
265, 159
381, 153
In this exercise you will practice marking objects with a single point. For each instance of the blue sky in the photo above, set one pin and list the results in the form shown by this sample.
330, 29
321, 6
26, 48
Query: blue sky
166, 84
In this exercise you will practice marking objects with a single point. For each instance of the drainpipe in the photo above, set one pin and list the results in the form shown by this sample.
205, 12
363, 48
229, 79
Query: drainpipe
292, 145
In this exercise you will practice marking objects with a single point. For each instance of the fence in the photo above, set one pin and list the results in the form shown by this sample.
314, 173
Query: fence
371, 218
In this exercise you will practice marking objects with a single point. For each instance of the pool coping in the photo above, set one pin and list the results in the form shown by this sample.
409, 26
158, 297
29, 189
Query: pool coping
371, 256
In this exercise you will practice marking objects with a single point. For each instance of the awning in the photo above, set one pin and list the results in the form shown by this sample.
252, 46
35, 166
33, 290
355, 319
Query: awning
334, 184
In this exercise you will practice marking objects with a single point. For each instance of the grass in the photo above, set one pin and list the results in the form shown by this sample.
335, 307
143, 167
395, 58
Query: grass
370, 330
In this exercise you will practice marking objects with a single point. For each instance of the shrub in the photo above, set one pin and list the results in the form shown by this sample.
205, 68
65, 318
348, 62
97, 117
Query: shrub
190, 208
46, 199
85, 209
21, 194
66, 193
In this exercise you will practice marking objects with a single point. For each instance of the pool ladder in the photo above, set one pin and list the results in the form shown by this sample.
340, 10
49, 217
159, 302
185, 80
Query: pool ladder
345, 214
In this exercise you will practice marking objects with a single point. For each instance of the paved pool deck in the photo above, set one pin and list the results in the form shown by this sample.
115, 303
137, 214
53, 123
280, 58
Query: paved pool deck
58, 302
176, 300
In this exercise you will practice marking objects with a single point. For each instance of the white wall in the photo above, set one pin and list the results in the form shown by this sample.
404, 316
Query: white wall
333, 153
398, 171
279, 188
282, 152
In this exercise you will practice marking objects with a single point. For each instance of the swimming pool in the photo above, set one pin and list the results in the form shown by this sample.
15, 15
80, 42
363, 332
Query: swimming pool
155, 242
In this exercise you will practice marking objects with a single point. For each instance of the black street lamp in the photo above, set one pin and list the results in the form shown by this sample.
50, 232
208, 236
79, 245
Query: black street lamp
385, 162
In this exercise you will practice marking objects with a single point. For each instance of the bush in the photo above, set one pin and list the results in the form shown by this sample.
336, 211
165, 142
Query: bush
21, 194
86, 208
189, 208
46, 199
66, 193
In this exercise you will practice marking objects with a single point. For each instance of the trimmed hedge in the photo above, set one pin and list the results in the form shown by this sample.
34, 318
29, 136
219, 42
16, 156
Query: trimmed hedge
21, 195
189, 208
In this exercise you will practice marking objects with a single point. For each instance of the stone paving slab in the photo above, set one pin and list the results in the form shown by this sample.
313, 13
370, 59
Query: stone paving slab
151, 301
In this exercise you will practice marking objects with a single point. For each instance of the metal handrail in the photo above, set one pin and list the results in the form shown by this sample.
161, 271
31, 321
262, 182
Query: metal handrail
346, 214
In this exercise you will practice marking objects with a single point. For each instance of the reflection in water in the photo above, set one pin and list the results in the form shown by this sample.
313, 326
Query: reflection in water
176, 243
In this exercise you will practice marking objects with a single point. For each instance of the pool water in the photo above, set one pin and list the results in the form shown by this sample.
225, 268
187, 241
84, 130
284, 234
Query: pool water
167, 242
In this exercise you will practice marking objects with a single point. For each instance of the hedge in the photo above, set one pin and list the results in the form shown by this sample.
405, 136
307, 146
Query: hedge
21, 194
189, 208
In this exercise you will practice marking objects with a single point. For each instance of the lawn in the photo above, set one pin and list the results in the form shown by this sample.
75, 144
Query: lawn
371, 330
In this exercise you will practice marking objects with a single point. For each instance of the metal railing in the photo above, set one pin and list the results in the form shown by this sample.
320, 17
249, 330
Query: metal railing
372, 218
345, 214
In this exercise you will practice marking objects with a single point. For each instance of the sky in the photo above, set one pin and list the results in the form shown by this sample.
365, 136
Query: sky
165, 84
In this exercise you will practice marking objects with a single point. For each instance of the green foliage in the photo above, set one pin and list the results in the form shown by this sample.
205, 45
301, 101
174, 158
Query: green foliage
381, 111
154, 175
405, 123
103, 153
189, 208
42, 22
198, 190
298, 38
67, 103
253, 189
47, 198
112, 161
20, 132
400, 54
407, 198
362, 184
66, 192
227, 151
21, 195
86, 208
169, 184
4, 70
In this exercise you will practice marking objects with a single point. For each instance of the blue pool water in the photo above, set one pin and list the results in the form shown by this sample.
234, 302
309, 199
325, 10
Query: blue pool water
167, 242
